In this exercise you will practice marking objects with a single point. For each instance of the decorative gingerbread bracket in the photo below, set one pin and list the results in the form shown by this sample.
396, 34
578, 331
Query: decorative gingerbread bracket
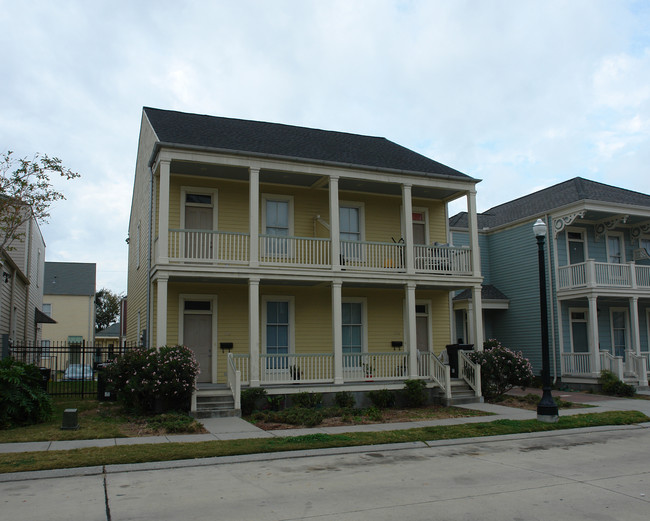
559, 223
609, 224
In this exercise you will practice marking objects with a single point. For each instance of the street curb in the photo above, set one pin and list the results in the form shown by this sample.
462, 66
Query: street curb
297, 454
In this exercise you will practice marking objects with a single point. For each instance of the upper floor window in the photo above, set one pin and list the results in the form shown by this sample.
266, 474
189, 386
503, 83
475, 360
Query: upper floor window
277, 218
615, 253
576, 246
47, 309
420, 227
199, 211
644, 242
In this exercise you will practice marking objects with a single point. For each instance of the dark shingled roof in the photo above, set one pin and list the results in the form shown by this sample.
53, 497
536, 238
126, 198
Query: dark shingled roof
571, 191
286, 141
111, 331
488, 292
69, 278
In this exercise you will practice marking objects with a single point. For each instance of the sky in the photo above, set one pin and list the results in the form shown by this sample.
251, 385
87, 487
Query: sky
520, 94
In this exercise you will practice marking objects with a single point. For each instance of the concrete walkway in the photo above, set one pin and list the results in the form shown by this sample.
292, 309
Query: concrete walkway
236, 428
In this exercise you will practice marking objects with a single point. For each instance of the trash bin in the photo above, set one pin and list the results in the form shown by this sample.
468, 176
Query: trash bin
104, 392
452, 352
45, 377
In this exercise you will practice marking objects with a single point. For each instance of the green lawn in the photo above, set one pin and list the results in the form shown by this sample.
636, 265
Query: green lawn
27, 461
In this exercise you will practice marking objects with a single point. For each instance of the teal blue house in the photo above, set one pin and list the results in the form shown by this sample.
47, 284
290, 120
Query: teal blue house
598, 279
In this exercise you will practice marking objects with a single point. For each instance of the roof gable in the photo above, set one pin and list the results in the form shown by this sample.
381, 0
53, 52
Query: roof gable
69, 278
290, 142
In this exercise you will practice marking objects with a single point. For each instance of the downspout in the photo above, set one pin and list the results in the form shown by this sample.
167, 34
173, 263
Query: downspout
549, 276
149, 318
28, 271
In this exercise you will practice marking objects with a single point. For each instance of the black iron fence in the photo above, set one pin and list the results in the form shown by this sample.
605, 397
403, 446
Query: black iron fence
69, 370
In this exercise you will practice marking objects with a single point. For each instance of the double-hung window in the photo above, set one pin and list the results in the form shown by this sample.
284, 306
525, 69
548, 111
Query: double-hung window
350, 230
277, 333
277, 223
352, 327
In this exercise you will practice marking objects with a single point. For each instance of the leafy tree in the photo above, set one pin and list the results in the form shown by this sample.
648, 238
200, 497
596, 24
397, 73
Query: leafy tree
26, 190
107, 308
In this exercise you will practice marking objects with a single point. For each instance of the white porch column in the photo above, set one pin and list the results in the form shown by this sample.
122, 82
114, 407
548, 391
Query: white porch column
477, 318
472, 225
594, 340
335, 235
634, 324
337, 331
163, 214
411, 330
254, 216
254, 331
161, 314
407, 219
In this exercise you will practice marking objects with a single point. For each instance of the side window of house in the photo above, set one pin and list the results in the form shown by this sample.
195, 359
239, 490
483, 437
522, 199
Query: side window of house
576, 242
352, 327
614, 249
579, 338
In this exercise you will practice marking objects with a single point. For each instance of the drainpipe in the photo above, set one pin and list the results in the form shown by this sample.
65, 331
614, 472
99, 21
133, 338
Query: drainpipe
149, 318
549, 276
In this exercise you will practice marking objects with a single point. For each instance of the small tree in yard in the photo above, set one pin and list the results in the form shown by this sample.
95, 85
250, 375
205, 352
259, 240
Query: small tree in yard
107, 306
501, 369
25, 191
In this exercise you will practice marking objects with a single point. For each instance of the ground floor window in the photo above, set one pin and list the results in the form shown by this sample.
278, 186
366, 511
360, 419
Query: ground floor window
352, 327
277, 332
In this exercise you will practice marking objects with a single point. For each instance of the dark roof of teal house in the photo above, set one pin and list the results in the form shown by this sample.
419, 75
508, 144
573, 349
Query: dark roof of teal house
69, 278
546, 200
488, 292
262, 139
110, 331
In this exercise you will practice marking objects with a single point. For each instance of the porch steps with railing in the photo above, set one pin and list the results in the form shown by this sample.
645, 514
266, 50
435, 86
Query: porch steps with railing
215, 404
461, 393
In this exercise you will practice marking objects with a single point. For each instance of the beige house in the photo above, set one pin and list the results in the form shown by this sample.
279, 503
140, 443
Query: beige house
294, 258
69, 298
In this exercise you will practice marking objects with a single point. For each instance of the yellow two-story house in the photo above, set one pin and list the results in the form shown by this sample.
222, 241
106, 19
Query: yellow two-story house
294, 258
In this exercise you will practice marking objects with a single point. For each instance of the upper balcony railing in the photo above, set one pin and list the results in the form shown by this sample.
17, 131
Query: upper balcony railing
221, 248
592, 274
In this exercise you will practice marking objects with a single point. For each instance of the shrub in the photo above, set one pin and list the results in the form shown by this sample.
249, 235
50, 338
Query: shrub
345, 400
249, 399
174, 422
24, 402
275, 403
292, 416
501, 369
382, 398
415, 393
308, 400
151, 379
612, 386
374, 414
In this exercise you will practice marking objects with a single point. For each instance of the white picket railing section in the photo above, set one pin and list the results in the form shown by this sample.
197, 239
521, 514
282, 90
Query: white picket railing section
297, 368
603, 274
643, 276
445, 259
637, 365
576, 363
609, 362
470, 372
295, 251
234, 381
440, 373
572, 276
208, 246
242, 364
375, 366
612, 275
372, 255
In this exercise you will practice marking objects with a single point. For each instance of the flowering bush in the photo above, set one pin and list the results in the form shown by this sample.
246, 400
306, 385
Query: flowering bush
148, 380
501, 369
22, 399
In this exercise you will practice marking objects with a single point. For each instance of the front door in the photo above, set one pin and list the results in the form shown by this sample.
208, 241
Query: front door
197, 335
199, 215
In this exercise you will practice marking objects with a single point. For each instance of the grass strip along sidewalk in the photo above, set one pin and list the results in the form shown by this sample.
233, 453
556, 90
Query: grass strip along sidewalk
128, 454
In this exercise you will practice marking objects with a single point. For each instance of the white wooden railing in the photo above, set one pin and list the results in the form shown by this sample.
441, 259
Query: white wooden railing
375, 366
576, 363
445, 259
234, 381
470, 372
603, 274
296, 368
372, 255
440, 373
242, 364
637, 365
295, 251
609, 362
208, 246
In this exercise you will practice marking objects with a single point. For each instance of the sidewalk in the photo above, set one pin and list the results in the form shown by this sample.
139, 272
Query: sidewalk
236, 428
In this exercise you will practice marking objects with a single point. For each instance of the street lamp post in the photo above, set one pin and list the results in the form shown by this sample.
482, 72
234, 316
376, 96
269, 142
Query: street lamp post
546, 408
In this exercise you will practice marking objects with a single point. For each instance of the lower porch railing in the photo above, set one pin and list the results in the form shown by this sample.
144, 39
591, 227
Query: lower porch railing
576, 363
375, 366
609, 362
637, 366
470, 372
296, 368
234, 381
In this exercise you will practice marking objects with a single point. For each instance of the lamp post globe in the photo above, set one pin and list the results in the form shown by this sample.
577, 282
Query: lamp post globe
547, 410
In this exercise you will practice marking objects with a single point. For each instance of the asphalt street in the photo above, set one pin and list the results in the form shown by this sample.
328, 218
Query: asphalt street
596, 474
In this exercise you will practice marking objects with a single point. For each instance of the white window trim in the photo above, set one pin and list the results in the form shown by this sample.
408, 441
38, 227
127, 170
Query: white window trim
200, 190
364, 319
586, 321
292, 322
277, 197
417, 209
583, 233
626, 313
362, 216
621, 243
213, 311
